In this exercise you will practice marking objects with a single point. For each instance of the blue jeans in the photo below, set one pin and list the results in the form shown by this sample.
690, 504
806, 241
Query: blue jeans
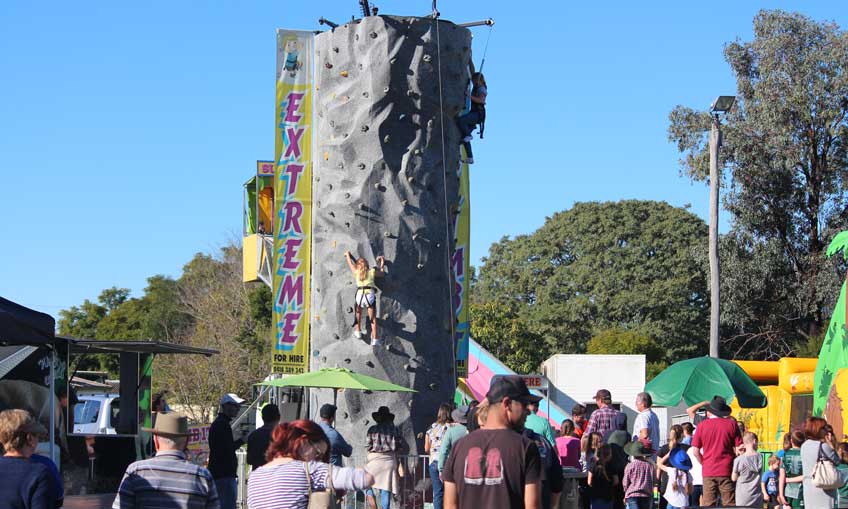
438, 485
385, 500
599, 503
227, 492
639, 503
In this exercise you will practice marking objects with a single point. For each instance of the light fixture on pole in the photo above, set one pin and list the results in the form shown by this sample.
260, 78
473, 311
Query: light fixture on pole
722, 104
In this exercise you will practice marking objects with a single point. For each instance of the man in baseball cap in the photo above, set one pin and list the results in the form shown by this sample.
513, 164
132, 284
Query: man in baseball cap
496, 466
605, 419
222, 450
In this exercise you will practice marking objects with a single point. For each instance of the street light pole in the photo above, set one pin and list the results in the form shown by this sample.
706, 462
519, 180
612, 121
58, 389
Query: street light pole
721, 105
715, 143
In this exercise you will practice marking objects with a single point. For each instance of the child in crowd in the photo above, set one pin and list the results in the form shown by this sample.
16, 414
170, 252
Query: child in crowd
589, 444
842, 493
791, 473
697, 479
638, 477
768, 483
676, 464
746, 473
602, 480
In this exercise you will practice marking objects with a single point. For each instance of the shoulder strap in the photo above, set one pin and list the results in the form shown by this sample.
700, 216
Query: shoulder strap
308, 478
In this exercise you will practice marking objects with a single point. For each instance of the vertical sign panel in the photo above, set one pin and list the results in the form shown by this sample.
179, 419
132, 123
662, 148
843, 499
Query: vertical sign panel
461, 266
292, 201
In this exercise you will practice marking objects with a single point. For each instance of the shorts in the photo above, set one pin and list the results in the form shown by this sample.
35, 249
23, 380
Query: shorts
365, 300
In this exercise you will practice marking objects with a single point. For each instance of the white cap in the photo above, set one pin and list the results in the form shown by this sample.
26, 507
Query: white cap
231, 399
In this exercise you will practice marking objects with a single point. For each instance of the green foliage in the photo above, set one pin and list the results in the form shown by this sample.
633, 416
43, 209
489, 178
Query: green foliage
629, 264
208, 306
501, 330
787, 176
618, 341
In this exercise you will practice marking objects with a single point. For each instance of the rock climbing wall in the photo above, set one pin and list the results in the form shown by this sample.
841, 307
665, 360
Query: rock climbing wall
385, 184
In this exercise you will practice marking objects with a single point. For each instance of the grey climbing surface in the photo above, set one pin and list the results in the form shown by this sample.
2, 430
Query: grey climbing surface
379, 131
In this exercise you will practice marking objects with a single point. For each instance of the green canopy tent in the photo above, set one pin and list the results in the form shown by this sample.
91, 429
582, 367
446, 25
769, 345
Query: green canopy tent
337, 378
702, 378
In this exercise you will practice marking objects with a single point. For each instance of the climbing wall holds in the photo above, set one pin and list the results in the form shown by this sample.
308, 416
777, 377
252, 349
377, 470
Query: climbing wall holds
361, 166
373, 35
364, 129
387, 139
427, 58
328, 65
344, 74
369, 364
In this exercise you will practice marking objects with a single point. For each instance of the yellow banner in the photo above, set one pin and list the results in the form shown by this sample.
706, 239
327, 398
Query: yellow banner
461, 266
292, 201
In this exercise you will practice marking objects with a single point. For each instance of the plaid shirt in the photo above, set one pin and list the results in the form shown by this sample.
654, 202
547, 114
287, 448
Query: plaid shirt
638, 479
602, 420
385, 438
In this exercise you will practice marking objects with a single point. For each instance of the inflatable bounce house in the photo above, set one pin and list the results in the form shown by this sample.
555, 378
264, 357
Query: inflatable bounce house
830, 394
788, 385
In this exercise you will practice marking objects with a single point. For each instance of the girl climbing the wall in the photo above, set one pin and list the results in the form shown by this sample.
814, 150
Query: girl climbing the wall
475, 115
366, 293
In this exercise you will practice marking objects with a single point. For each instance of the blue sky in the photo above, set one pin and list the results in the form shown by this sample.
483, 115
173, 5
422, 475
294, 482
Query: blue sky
128, 128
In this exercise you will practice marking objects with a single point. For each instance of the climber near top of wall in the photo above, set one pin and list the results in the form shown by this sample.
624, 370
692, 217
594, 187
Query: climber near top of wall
476, 114
366, 293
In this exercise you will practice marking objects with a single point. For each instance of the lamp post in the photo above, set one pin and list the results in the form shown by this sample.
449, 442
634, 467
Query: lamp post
722, 104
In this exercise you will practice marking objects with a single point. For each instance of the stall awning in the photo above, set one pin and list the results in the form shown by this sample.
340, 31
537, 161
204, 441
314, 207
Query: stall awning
79, 346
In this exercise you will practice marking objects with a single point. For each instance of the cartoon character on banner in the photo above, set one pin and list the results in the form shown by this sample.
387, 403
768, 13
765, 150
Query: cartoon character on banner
292, 48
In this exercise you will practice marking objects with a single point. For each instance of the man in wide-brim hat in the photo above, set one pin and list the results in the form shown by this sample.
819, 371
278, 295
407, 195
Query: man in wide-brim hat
167, 479
714, 445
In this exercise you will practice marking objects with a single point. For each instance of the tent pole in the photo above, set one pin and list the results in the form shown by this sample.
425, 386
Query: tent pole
52, 386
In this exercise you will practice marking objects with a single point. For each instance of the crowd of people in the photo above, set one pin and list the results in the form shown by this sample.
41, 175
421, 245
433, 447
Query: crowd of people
496, 454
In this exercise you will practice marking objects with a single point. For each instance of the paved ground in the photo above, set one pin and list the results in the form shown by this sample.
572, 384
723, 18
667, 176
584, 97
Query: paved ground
103, 501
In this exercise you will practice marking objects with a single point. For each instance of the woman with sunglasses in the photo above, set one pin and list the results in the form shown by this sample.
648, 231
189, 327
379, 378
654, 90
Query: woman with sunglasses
298, 464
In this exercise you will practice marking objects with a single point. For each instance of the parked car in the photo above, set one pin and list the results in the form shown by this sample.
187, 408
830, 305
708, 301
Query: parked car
96, 414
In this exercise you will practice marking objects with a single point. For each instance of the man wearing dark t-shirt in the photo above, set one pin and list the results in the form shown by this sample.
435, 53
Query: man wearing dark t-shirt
496, 467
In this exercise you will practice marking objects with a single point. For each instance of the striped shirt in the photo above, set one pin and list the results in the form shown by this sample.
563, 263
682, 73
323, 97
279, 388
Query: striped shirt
166, 481
284, 486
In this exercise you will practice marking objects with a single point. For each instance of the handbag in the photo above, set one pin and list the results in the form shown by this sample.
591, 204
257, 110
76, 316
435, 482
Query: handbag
825, 475
325, 499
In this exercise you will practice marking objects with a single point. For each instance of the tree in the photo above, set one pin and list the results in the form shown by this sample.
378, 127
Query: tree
503, 332
617, 341
784, 147
630, 264
211, 292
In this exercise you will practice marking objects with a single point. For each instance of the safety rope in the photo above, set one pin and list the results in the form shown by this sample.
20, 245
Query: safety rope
486, 48
448, 221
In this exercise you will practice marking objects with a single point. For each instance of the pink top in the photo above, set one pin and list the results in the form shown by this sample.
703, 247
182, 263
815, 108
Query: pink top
569, 451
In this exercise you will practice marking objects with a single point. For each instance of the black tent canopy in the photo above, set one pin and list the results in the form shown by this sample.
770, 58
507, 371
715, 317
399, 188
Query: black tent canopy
21, 325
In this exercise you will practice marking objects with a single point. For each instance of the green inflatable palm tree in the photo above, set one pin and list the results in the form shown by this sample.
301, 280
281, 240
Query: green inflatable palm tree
834, 352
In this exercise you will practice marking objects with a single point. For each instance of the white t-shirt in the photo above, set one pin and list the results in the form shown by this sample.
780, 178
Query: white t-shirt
677, 498
697, 478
